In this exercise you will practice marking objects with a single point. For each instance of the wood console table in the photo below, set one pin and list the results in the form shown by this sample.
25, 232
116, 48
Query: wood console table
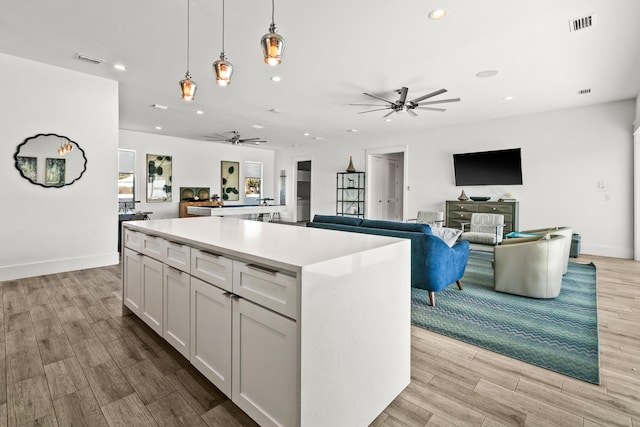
459, 212
182, 208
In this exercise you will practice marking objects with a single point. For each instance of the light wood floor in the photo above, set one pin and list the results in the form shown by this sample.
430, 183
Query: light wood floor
69, 358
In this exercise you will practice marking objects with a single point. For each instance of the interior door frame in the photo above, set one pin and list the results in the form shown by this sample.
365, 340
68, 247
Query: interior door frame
369, 153
295, 186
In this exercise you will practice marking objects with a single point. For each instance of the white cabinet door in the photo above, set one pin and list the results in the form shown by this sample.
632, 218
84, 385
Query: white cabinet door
265, 365
151, 304
132, 286
211, 333
176, 309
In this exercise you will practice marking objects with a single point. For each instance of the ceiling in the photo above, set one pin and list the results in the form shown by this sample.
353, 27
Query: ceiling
335, 51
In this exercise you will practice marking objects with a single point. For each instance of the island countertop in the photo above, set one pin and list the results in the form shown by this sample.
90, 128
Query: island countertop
291, 247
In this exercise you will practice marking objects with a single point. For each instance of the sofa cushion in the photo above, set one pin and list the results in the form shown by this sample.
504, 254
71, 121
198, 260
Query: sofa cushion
399, 226
335, 219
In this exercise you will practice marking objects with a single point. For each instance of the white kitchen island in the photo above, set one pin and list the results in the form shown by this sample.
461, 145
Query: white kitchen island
298, 326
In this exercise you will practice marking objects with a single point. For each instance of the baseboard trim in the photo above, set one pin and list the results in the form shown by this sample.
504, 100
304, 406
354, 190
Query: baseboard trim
41, 268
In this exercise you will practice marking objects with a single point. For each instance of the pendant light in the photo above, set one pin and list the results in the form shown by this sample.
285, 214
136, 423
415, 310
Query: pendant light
272, 42
188, 86
222, 67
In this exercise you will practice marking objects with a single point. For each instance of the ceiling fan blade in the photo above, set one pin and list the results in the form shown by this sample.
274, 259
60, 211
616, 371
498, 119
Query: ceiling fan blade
248, 139
371, 105
254, 142
431, 109
412, 113
215, 138
377, 97
389, 113
370, 111
403, 95
442, 101
429, 95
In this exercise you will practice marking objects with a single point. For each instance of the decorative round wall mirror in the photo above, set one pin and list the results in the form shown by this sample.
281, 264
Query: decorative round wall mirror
50, 160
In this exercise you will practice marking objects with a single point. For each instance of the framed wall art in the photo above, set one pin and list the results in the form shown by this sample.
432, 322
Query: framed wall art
28, 166
159, 178
54, 172
230, 180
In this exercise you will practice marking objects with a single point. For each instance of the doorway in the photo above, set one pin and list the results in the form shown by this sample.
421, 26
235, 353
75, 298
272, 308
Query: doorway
303, 191
386, 176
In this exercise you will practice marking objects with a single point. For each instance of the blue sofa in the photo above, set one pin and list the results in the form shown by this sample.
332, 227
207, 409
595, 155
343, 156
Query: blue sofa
434, 265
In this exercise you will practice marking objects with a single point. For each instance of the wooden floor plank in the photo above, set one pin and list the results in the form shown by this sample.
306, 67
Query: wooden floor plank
173, 410
79, 408
128, 411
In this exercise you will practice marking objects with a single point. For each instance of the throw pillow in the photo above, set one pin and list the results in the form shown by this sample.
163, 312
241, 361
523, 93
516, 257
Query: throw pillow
449, 235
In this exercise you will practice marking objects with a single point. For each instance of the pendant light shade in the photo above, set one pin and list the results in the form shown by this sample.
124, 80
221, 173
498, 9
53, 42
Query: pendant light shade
188, 86
272, 42
223, 68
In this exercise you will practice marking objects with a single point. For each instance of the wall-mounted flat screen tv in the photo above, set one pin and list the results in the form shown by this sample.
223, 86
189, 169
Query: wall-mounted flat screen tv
499, 167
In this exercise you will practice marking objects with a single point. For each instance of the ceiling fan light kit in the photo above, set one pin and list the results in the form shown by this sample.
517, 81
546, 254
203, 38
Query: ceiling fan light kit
187, 86
272, 42
223, 68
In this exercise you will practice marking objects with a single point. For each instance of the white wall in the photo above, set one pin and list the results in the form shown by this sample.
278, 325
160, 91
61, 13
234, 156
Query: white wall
49, 230
564, 153
195, 164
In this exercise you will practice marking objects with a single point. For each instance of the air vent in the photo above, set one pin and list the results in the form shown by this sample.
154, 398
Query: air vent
582, 23
91, 59
584, 91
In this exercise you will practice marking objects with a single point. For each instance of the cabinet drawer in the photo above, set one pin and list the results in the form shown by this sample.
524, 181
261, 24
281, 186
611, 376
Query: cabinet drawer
463, 207
212, 268
460, 216
152, 246
177, 255
270, 288
133, 239
495, 208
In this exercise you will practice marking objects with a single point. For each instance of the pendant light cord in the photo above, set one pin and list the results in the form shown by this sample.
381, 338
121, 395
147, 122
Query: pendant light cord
188, 15
223, 27
273, 9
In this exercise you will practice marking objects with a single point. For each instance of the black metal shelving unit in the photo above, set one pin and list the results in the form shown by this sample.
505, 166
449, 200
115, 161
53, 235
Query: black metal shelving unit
350, 194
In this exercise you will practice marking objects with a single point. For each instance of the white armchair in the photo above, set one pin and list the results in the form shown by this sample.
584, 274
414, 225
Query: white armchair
434, 219
484, 228
533, 268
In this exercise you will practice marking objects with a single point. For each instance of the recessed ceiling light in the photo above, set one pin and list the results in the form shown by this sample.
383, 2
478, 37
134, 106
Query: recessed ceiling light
257, 126
275, 79
353, 130
158, 127
508, 98
120, 67
276, 110
317, 137
160, 106
487, 73
437, 14
306, 134
199, 112
387, 120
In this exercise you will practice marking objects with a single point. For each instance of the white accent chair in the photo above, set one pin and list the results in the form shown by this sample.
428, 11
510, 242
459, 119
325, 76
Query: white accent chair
434, 219
541, 232
484, 228
531, 268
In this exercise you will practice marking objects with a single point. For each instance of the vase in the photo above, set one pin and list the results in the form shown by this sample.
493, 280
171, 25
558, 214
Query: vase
463, 196
351, 168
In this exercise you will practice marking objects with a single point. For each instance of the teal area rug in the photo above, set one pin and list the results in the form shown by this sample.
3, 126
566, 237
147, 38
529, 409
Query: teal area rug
559, 334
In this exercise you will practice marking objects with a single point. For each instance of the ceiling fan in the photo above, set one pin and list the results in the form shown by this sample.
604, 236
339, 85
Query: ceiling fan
234, 138
402, 104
